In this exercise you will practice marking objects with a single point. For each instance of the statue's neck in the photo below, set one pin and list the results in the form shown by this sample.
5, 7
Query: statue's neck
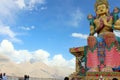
103, 15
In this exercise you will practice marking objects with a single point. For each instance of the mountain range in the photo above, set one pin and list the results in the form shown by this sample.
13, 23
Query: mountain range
36, 69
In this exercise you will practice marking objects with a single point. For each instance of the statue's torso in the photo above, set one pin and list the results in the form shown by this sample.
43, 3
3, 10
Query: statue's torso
103, 29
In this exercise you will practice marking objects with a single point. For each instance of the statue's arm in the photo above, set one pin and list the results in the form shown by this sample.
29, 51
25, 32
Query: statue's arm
92, 30
117, 25
97, 26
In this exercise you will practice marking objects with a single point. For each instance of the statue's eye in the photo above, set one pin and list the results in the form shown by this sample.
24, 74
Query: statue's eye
103, 7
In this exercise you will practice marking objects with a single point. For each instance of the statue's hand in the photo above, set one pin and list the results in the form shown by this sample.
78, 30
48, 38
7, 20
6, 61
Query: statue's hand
117, 25
99, 25
97, 22
106, 23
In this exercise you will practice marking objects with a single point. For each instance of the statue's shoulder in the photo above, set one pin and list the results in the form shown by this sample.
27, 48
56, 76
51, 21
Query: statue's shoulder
117, 22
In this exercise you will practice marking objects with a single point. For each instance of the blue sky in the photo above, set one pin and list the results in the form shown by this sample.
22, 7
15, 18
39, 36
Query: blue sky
50, 27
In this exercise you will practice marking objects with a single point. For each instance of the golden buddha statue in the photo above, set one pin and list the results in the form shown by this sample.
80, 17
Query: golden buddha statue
100, 55
103, 22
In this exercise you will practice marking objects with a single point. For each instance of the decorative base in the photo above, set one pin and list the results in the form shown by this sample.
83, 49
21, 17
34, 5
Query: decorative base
102, 75
98, 76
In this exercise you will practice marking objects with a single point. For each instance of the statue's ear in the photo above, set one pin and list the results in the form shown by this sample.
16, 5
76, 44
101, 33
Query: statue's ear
97, 13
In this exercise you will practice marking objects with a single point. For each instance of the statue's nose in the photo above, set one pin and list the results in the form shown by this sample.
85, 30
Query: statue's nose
101, 10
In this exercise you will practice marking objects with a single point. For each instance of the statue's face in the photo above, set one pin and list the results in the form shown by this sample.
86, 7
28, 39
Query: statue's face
102, 9
116, 10
90, 16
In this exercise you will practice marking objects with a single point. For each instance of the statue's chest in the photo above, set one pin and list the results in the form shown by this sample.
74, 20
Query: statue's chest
100, 22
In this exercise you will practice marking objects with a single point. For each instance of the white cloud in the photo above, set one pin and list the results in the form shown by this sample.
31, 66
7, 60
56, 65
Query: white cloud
41, 55
8, 13
43, 8
6, 6
79, 35
7, 32
76, 17
21, 4
29, 4
7, 49
28, 28
8, 9
33, 2
21, 56
59, 61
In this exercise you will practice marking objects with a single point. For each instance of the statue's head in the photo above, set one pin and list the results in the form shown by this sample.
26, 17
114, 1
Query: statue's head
101, 7
90, 16
116, 10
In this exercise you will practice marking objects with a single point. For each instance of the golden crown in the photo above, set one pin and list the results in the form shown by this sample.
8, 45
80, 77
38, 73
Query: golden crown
99, 2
